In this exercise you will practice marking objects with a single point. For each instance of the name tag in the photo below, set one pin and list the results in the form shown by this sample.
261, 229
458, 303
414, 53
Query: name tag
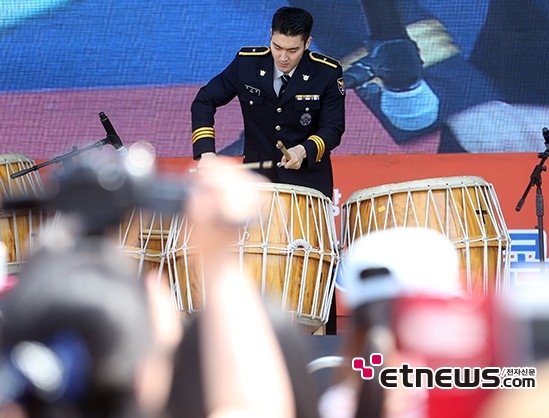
307, 97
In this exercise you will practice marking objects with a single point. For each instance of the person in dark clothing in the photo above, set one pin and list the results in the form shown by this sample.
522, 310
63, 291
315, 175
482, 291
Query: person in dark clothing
287, 93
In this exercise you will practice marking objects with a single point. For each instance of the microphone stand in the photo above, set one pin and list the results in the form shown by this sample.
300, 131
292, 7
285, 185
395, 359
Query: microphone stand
535, 179
65, 158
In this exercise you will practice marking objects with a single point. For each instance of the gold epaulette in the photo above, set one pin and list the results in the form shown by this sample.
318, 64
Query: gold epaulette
325, 59
254, 50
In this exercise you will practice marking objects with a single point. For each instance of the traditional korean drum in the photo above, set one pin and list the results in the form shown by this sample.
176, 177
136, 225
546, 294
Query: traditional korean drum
465, 209
290, 249
19, 229
144, 236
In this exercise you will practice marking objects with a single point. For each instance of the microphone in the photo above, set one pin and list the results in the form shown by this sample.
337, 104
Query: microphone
405, 99
112, 137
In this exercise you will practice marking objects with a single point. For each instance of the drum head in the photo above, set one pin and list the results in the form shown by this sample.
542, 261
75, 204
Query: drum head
416, 185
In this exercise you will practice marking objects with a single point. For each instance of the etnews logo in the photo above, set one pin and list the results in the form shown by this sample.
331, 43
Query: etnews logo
446, 377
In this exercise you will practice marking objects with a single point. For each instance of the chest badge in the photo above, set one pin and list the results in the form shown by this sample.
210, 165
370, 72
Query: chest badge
306, 77
305, 119
262, 73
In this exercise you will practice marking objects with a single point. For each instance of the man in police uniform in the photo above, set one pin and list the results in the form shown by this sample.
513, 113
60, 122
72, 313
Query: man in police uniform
305, 111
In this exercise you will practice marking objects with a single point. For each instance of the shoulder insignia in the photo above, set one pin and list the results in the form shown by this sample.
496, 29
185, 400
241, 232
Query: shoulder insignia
254, 50
325, 59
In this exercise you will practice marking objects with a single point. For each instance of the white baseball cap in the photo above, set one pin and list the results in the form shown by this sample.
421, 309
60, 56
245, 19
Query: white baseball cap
404, 261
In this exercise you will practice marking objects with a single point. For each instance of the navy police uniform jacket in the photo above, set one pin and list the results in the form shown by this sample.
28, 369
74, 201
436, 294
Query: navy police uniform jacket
311, 112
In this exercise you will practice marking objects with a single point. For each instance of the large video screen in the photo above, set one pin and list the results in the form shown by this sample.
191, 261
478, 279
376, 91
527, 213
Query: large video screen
482, 87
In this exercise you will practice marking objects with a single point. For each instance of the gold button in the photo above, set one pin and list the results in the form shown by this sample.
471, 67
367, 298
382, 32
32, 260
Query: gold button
306, 109
278, 128
279, 109
251, 102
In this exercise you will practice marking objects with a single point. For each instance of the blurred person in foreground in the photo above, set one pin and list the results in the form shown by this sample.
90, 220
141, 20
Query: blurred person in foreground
238, 359
187, 396
528, 310
104, 340
392, 279
81, 337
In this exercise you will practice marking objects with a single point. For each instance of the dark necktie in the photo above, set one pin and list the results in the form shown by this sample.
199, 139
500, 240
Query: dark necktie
284, 78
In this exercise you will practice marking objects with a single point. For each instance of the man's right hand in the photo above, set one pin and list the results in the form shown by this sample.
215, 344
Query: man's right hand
205, 159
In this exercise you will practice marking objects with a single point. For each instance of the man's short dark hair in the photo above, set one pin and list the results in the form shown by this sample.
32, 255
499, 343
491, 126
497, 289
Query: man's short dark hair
292, 21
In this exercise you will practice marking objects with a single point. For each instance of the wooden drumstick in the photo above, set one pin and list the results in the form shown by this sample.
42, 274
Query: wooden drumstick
246, 166
282, 148
259, 164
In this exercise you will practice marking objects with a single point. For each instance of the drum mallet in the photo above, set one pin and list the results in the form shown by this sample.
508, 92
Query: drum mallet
245, 166
282, 148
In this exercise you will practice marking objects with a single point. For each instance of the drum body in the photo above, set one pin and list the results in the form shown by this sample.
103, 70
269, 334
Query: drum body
289, 249
143, 236
19, 229
464, 209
